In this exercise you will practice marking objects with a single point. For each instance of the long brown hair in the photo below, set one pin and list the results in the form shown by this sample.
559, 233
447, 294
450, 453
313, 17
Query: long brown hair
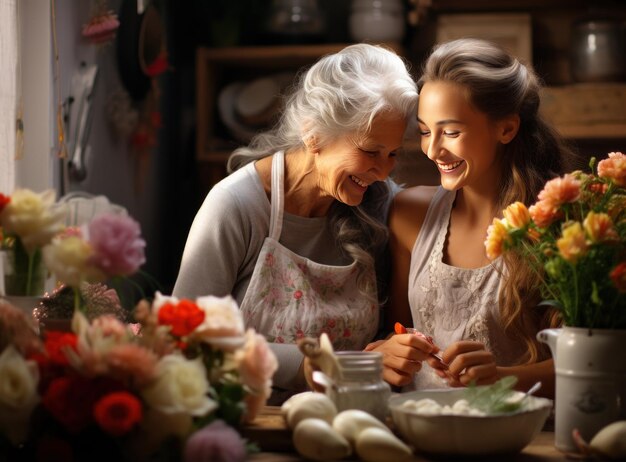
499, 85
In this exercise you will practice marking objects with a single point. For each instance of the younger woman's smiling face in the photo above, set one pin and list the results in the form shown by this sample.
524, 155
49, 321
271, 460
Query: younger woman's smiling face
348, 165
461, 140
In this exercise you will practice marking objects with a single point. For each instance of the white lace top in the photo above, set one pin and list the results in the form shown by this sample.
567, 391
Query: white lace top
451, 303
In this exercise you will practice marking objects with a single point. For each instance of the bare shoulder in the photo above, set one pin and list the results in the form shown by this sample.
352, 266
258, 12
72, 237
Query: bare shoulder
408, 212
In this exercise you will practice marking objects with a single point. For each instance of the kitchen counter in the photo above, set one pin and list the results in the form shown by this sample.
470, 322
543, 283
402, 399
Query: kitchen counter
274, 440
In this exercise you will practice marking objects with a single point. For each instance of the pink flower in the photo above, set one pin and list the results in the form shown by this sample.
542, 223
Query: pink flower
269, 260
110, 326
561, 191
297, 294
101, 28
544, 213
217, 442
256, 362
132, 360
614, 168
117, 244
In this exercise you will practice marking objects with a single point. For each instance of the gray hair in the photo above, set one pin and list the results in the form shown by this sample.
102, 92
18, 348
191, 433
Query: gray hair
340, 95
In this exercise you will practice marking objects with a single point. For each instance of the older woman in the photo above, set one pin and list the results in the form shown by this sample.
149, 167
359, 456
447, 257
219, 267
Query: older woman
295, 233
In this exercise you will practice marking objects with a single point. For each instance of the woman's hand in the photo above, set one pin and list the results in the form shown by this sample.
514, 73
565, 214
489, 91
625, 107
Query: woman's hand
467, 361
402, 357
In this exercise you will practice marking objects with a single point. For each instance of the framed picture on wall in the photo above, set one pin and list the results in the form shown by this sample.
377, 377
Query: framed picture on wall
511, 31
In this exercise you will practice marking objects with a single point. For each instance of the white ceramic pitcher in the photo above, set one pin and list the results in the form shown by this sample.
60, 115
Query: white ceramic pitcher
590, 368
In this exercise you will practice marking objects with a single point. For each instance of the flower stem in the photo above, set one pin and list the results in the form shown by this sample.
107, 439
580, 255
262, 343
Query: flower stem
77, 304
29, 277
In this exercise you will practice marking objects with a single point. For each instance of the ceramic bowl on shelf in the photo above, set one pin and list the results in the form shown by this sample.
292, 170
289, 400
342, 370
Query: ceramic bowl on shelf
466, 435
247, 108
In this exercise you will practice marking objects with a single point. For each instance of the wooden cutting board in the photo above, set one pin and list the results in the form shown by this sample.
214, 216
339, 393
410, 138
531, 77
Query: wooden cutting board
269, 432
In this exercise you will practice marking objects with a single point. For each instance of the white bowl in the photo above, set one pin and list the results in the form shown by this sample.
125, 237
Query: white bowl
464, 434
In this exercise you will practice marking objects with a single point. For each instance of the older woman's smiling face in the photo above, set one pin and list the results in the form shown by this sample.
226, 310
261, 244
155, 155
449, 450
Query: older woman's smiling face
347, 166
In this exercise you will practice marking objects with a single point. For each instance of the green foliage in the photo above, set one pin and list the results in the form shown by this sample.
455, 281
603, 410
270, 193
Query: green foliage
494, 399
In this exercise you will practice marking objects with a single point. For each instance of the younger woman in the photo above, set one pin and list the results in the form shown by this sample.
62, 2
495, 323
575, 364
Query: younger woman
479, 121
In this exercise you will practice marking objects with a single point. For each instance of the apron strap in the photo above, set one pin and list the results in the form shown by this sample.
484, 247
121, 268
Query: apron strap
276, 195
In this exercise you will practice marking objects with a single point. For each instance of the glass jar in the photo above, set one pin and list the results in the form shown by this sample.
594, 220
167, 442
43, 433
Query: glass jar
377, 20
597, 51
360, 384
295, 21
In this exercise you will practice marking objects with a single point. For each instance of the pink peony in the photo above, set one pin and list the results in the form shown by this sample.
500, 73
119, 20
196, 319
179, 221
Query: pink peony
132, 360
217, 442
544, 213
561, 191
117, 244
257, 363
614, 168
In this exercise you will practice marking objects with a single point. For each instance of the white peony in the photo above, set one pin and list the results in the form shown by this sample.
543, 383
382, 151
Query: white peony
181, 386
18, 393
33, 217
222, 317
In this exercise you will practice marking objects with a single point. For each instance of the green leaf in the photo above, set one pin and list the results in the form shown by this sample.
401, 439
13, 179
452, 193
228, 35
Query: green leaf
493, 399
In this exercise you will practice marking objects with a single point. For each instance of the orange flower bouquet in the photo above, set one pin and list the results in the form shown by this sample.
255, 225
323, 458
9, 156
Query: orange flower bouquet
574, 237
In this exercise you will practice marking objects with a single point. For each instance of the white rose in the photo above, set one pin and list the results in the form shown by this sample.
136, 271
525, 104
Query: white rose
181, 386
68, 257
18, 393
222, 317
160, 300
35, 218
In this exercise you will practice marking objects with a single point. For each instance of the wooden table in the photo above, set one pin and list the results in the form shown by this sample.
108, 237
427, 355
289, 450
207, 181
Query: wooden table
274, 439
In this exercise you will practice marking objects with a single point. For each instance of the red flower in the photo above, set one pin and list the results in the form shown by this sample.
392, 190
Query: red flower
331, 323
347, 332
183, 317
70, 399
117, 413
299, 334
297, 294
4, 201
618, 276
57, 343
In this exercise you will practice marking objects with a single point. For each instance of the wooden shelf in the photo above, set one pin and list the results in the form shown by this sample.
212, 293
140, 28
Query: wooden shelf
215, 68
593, 131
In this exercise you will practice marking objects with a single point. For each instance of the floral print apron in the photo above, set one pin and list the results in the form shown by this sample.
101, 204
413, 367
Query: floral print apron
290, 297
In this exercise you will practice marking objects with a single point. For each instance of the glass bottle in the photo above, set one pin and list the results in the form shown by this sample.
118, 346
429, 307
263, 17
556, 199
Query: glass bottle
377, 20
295, 21
360, 384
